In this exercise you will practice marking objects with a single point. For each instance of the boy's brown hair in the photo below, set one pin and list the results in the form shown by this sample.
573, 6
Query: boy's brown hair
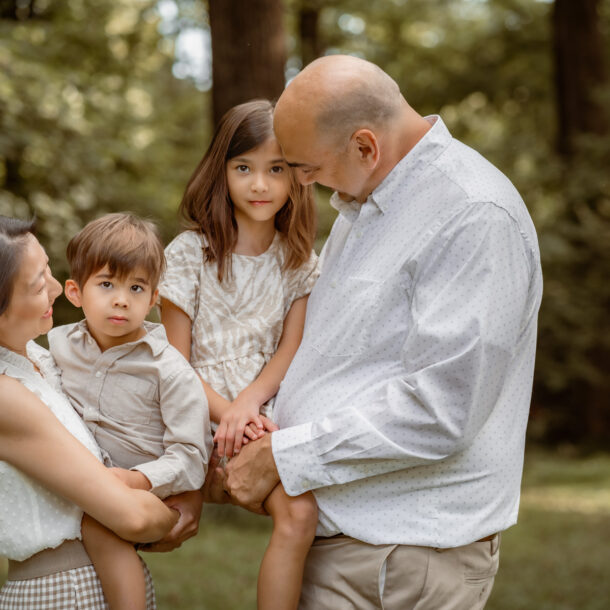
122, 241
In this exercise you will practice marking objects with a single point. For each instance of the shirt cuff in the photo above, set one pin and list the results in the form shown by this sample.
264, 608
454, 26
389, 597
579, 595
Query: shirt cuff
162, 479
297, 464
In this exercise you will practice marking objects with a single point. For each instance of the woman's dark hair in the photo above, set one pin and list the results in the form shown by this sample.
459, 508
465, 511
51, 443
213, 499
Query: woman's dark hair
207, 207
13, 233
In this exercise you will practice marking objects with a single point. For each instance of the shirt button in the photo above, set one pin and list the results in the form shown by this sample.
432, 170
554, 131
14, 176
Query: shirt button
359, 234
333, 284
98, 374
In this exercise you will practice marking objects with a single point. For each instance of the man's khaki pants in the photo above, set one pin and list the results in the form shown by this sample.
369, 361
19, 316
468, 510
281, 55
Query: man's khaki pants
346, 574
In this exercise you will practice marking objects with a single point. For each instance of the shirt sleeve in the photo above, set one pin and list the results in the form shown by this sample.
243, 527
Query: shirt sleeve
300, 282
469, 308
187, 440
180, 282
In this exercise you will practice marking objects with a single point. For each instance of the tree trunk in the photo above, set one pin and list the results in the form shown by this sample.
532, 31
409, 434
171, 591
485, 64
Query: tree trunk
12, 9
579, 70
248, 51
309, 13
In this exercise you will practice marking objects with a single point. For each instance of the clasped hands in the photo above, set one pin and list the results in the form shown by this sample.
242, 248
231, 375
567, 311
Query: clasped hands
246, 480
187, 504
241, 423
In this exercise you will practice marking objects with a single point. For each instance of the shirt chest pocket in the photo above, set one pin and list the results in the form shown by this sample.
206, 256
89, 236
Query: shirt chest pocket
129, 399
344, 317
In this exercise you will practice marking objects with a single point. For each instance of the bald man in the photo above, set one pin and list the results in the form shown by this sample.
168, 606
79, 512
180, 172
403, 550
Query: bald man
405, 407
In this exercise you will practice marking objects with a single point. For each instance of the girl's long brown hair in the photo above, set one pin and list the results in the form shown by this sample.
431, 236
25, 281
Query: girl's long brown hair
207, 207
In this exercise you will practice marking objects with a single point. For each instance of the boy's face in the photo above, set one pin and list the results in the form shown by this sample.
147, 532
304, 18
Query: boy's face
114, 307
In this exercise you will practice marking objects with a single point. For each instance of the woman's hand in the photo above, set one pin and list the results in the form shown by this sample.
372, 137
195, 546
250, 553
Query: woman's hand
188, 505
240, 423
33, 440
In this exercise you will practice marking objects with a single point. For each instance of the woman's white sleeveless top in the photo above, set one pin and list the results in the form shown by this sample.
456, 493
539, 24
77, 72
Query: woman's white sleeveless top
33, 518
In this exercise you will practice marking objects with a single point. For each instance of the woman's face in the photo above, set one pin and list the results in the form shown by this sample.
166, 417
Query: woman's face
30, 312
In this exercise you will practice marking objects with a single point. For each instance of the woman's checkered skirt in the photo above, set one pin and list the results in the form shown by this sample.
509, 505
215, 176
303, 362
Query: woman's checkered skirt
70, 590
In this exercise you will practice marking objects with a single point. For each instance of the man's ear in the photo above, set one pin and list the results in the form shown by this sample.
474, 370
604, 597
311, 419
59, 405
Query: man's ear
365, 145
73, 293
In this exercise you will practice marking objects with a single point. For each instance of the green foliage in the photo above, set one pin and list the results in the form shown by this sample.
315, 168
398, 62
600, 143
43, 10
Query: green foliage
92, 119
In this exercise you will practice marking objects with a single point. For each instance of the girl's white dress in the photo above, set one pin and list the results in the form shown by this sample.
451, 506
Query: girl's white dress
236, 324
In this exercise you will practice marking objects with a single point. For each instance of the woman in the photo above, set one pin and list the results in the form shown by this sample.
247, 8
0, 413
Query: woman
47, 477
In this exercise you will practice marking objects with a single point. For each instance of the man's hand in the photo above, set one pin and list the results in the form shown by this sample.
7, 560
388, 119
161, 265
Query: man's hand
252, 474
188, 504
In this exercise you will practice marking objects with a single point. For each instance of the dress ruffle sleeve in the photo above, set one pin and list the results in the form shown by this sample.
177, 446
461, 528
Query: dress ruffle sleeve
299, 282
180, 283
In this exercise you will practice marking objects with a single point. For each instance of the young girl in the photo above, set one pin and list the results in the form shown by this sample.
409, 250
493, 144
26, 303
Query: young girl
233, 302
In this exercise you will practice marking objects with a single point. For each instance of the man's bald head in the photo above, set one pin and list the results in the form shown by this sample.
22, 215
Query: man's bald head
338, 94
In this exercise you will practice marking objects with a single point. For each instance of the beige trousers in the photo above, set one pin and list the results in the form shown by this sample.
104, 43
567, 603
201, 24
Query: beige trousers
342, 573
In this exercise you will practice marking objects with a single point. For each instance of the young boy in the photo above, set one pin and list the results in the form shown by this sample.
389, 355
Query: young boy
139, 397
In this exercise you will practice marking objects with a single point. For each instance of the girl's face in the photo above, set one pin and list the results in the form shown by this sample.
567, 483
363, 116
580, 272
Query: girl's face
259, 183
30, 312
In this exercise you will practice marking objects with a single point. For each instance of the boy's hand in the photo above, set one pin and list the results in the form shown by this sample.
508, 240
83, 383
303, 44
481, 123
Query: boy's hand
242, 421
132, 478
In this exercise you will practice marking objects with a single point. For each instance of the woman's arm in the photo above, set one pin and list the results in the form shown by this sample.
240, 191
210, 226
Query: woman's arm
178, 327
33, 440
245, 408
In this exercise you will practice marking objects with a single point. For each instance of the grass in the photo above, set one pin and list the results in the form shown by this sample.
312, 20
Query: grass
556, 558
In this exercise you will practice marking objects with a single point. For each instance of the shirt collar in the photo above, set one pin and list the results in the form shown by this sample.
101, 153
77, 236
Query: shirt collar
154, 337
16, 360
433, 143
349, 209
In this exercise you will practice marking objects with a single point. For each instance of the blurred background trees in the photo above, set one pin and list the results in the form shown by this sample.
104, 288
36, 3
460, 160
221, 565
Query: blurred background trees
104, 106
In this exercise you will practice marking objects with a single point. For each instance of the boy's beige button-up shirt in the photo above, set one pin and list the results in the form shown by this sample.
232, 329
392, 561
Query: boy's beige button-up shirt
143, 403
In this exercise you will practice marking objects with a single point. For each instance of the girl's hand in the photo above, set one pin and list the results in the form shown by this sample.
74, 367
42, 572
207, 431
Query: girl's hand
269, 424
242, 421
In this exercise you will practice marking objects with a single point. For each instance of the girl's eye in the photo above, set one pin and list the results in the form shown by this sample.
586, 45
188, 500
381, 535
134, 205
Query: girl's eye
242, 168
136, 288
277, 169
106, 284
